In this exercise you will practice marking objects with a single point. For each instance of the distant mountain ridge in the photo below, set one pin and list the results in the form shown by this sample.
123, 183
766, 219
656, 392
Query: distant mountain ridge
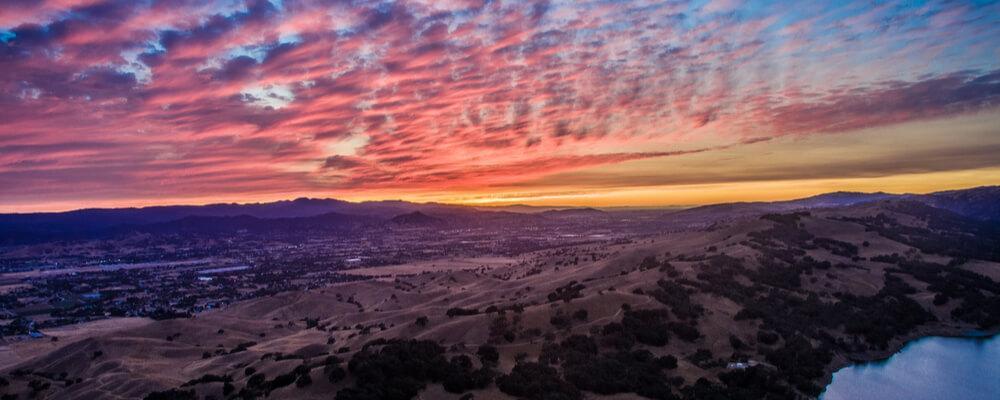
982, 203
303, 214
328, 222
573, 212
416, 218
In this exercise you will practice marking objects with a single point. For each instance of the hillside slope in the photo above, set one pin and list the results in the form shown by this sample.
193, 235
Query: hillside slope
795, 295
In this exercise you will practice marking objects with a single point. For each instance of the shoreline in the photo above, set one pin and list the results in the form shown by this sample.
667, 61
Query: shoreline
842, 361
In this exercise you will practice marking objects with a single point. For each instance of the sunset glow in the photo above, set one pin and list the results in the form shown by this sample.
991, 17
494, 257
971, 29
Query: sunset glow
597, 103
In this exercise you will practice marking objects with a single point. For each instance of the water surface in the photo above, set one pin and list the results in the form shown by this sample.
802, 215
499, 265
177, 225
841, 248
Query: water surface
931, 368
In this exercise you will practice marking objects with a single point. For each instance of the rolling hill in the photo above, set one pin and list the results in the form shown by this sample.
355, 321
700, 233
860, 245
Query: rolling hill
793, 294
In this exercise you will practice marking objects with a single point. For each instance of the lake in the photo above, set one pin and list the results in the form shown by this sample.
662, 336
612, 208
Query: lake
931, 368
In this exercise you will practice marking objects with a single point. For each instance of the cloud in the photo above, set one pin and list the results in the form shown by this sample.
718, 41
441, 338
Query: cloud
342, 162
455, 94
888, 103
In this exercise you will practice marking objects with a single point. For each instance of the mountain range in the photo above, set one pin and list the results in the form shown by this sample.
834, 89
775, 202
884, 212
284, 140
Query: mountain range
982, 203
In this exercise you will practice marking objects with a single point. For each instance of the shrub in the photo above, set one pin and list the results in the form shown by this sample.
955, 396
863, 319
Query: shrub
488, 354
566, 292
667, 362
304, 380
334, 373
172, 394
460, 376
686, 332
703, 358
399, 370
207, 378
560, 321
644, 326
735, 342
457, 311
678, 298
766, 337
637, 372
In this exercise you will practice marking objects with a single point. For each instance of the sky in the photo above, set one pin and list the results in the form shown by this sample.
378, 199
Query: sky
597, 103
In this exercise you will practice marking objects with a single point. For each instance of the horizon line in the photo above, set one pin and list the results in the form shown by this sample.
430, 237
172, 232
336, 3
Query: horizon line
494, 205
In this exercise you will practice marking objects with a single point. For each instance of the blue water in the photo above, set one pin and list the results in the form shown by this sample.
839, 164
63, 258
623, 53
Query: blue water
933, 368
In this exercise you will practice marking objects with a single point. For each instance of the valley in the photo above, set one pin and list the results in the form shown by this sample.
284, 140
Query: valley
756, 305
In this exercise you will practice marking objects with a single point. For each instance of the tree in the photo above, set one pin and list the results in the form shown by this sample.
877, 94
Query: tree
534, 381
488, 354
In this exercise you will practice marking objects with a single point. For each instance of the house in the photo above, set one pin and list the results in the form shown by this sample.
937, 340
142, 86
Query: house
742, 365
737, 365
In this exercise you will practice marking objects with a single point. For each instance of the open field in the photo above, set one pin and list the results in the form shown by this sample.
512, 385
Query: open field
13, 352
440, 265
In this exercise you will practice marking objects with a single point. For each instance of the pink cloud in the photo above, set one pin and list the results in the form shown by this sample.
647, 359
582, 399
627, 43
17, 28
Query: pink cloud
127, 99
